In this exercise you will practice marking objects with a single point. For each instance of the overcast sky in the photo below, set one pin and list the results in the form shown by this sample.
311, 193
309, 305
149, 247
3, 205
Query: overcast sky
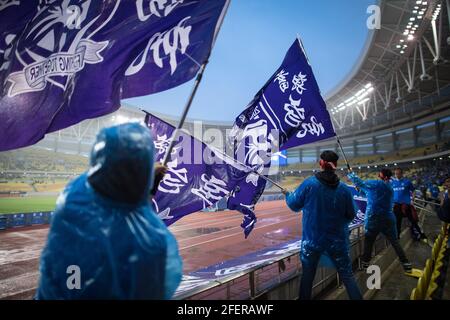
252, 43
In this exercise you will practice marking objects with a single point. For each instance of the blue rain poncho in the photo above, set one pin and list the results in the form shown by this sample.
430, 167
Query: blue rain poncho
380, 200
105, 230
403, 189
327, 212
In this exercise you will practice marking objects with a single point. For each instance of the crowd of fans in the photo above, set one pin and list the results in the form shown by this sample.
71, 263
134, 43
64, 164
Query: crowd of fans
105, 223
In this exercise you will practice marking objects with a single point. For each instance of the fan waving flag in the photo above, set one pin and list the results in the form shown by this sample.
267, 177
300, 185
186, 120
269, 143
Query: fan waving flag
198, 176
66, 61
288, 111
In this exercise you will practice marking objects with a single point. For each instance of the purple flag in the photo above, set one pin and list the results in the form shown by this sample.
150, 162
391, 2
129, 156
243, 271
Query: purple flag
361, 203
288, 111
64, 61
198, 176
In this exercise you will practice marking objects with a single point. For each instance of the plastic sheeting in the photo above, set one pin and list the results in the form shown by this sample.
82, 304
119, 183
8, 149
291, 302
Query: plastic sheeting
327, 212
105, 241
380, 200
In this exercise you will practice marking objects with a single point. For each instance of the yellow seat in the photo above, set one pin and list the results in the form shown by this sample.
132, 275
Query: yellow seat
431, 288
440, 254
427, 272
434, 252
413, 295
420, 289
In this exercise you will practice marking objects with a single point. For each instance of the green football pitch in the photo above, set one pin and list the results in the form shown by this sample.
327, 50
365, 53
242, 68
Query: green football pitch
27, 204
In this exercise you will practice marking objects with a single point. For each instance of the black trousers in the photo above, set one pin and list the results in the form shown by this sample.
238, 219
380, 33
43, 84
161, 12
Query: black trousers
405, 210
388, 229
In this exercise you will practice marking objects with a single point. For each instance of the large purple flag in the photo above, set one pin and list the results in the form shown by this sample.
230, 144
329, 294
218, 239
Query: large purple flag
63, 61
288, 111
198, 176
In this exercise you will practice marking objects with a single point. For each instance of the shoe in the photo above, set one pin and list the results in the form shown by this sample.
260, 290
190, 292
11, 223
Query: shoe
407, 266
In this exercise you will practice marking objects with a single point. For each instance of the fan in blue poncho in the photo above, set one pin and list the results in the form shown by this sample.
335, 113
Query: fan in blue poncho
328, 208
105, 240
379, 215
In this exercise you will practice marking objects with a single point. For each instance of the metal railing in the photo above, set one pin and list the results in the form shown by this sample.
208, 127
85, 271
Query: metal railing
254, 282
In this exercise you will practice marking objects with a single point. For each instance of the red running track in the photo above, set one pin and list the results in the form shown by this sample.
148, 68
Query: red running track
204, 238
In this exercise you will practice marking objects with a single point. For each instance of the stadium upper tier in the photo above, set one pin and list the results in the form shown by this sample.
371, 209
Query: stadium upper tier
403, 73
396, 97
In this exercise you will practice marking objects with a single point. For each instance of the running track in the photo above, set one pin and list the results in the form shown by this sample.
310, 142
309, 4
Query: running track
204, 238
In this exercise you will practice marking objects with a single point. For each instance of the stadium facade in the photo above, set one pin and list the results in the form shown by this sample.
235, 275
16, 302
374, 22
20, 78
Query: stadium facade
396, 97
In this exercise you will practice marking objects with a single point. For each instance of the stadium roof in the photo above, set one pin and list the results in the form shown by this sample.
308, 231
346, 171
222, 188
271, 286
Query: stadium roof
402, 73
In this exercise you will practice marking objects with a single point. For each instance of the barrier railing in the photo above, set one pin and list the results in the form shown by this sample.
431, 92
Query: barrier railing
14, 220
256, 281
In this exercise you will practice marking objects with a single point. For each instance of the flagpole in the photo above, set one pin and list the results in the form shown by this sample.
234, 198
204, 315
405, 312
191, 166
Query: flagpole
194, 89
343, 153
147, 114
248, 168
337, 137
271, 181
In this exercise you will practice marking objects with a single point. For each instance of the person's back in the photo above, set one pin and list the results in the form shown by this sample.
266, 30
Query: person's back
105, 241
434, 190
379, 196
379, 215
326, 211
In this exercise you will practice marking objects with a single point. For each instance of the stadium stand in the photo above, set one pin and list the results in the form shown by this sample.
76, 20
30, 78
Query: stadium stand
35, 159
405, 119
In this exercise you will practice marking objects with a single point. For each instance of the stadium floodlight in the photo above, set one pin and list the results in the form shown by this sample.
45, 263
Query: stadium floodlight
385, 165
359, 98
363, 101
436, 13
410, 37
395, 164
